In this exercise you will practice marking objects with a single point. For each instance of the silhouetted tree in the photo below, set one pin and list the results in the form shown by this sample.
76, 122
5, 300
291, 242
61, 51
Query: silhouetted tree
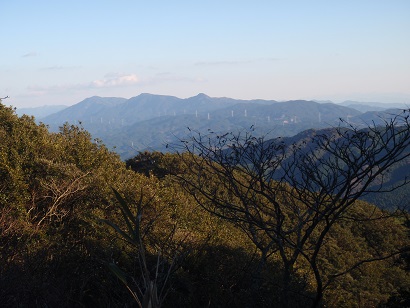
287, 197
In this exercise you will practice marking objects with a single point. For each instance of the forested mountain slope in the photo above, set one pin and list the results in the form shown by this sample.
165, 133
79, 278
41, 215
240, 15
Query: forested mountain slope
393, 177
57, 247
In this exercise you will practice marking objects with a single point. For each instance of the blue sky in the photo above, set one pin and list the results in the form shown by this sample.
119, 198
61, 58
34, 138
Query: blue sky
60, 52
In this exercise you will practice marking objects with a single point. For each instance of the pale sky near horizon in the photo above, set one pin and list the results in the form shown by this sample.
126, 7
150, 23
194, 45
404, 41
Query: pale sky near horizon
61, 52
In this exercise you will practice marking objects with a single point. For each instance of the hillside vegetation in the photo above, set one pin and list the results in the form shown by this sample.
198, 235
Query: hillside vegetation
64, 199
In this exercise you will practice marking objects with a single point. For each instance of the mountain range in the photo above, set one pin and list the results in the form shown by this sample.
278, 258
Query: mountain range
40, 112
158, 122
151, 122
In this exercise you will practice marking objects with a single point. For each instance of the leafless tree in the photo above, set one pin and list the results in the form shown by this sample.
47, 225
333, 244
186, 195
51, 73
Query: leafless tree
1, 99
287, 197
58, 190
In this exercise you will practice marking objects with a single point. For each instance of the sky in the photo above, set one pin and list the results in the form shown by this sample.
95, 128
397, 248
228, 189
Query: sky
61, 52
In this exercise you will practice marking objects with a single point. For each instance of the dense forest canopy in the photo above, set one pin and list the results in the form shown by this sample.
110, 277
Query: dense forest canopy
76, 223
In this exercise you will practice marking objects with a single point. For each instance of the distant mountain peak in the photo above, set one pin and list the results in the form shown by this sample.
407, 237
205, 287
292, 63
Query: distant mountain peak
201, 95
145, 94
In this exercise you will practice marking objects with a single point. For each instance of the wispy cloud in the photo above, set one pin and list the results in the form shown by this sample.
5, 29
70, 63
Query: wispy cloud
111, 80
30, 54
217, 63
115, 80
239, 62
58, 68
169, 77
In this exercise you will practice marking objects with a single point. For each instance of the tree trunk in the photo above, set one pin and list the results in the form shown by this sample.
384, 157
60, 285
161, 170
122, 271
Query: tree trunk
317, 301
287, 282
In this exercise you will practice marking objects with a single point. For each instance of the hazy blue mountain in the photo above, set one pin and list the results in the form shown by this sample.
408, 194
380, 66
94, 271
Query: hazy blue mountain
392, 178
323, 101
97, 112
374, 117
151, 121
40, 112
90, 109
371, 106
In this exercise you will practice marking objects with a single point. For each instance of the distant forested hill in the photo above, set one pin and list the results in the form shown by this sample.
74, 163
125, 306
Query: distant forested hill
40, 112
394, 177
151, 121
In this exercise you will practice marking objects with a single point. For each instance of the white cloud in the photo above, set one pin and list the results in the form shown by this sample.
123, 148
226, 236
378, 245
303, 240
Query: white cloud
112, 80
115, 80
